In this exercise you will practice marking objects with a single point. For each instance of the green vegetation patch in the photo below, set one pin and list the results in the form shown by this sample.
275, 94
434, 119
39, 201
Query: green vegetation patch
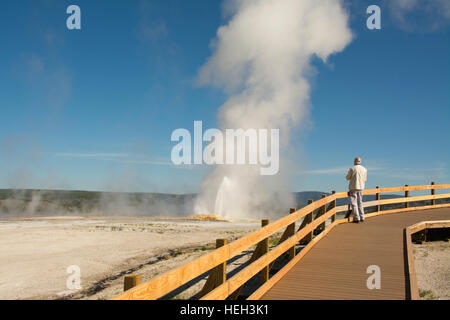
427, 294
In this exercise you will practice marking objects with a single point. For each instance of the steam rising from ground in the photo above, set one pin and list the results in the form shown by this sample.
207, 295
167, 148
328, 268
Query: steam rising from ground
38, 203
261, 59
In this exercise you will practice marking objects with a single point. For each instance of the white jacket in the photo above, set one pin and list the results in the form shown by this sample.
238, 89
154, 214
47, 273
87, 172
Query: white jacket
357, 175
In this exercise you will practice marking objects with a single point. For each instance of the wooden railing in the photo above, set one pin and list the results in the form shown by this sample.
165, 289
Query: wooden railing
409, 232
312, 228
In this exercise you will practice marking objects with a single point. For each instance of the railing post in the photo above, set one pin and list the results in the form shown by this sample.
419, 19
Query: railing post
306, 220
321, 212
333, 217
131, 281
310, 218
261, 249
406, 196
290, 233
221, 268
265, 249
377, 197
217, 275
433, 192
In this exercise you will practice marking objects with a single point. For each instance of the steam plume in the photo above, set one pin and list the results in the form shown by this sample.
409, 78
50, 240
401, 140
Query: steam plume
261, 59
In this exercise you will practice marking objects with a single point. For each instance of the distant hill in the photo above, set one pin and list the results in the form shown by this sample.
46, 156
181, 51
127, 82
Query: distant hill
51, 202
29, 202
302, 198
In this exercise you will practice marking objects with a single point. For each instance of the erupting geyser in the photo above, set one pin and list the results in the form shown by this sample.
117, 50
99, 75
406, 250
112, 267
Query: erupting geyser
221, 197
262, 59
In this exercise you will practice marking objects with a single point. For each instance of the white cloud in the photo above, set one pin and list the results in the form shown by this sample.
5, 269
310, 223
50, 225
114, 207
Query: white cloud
123, 158
436, 172
419, 15
332, 171
50, 83
92, 155
154, 31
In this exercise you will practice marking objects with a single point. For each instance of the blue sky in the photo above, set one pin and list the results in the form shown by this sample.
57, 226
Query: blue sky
94, 109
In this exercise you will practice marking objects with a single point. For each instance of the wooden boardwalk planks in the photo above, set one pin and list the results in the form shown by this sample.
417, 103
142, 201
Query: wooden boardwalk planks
335, 268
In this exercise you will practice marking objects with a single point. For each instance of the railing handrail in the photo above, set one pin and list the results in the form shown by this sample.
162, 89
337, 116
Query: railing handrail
173, 279
409, 231
406, 188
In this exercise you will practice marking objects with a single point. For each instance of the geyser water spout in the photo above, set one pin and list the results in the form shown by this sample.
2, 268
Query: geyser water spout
221, 197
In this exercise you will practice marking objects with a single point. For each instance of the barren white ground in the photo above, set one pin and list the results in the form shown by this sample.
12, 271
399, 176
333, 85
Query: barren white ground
35, 253
432, 262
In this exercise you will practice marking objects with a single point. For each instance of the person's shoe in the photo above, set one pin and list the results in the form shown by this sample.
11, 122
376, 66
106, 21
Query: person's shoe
355, 221
362, 220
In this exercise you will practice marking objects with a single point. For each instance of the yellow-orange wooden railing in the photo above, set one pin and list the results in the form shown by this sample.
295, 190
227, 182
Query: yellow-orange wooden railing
311, 230
414, 293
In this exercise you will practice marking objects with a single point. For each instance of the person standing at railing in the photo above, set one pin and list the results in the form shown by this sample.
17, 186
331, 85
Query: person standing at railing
357, 175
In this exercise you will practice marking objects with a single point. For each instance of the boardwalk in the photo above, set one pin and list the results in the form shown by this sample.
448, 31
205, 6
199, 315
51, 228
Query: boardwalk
335, 268
331, 266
